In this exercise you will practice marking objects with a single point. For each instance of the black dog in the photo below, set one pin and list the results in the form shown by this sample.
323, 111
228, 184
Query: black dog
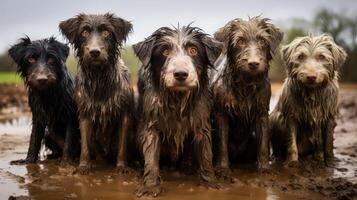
174, 102
102, 92
41, 64
241, 91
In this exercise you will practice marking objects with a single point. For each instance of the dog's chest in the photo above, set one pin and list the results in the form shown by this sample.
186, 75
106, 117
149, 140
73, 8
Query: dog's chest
97, 109
241, 107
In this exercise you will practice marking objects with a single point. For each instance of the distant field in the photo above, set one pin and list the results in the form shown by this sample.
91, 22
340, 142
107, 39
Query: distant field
9, 77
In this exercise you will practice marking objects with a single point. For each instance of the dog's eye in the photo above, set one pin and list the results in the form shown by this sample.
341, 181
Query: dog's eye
241, 41
105, 33
31, 60
321, 57
192, 51
85, 33
261, 42
50, 60
166, 52
301, 57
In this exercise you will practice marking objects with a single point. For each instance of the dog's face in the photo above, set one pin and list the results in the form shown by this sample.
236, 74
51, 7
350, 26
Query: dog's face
313, 61
96, 37
41, 63
250, 44
178, 57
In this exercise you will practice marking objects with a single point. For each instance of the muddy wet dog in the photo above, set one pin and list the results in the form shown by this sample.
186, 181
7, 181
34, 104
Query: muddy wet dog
241, 92
304, 119
41, 64
102, 89
174, 102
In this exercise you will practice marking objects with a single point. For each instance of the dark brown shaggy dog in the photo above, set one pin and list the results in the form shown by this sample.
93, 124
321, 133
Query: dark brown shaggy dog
303, 121
174, 102
241, 91
102, 90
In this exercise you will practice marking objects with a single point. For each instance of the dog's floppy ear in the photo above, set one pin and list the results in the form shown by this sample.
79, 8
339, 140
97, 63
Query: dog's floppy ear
275, 35
223, 34
63, 48
17, 51
69, 27
213, 49
338, 53
143, 50
121, 27
287, 51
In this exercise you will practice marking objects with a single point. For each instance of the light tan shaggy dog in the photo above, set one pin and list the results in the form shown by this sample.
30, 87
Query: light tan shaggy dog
304, 119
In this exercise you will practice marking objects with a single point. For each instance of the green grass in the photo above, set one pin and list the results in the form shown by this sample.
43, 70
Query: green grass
10, 77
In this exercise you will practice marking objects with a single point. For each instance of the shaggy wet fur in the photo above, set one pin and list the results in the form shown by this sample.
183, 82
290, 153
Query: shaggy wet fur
241, 92
41, 64
304, 119
102, 91
174, 102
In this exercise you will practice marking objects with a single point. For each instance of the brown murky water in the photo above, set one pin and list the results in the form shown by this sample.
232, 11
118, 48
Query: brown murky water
49, 180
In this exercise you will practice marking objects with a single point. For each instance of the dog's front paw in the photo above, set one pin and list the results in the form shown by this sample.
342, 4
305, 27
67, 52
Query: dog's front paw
292, 164
210, 185
263, 167
225, 174
67, 163
149, 191
319, 158
123, 169
84, 169
23, 161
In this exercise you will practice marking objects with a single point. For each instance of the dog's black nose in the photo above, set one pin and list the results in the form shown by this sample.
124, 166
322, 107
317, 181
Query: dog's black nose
253, 65
311, 78
181, 75
94, 53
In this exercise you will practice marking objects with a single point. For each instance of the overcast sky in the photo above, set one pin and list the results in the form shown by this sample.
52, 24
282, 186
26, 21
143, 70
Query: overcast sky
40, 18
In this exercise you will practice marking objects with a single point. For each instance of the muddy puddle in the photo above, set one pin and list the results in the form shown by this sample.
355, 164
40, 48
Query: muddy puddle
50, 180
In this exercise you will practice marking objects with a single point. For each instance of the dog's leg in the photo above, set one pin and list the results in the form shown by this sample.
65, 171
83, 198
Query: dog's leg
122, 165
69, 142
37, 134
223, 157
151, 185
262, 128
292, 151
203, 153
86, 133
319, 144
328, 141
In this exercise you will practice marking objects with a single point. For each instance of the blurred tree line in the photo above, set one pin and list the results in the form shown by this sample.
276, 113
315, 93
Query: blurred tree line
339, 25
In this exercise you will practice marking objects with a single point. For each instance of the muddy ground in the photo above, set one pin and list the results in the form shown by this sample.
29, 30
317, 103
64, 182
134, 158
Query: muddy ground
50, 180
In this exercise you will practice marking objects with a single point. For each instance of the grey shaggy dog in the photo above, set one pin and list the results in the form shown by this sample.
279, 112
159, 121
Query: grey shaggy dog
304, 119
174, 103
102, 90
241, 92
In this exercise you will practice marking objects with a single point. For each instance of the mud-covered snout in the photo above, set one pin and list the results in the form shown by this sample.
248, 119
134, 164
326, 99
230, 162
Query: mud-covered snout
312, 74
41, 77
95, 51
180, 73
253, 60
